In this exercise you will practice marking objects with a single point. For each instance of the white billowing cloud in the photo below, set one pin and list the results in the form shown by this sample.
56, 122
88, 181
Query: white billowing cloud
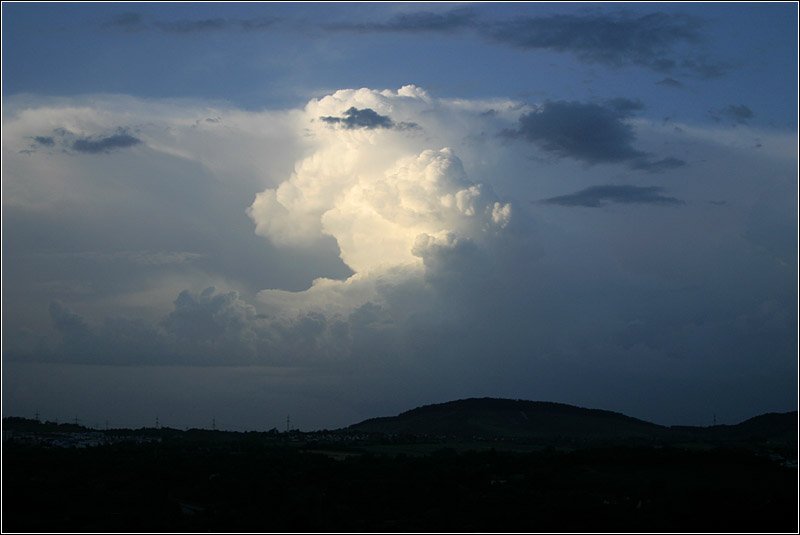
379, 192
377, 221
334, 297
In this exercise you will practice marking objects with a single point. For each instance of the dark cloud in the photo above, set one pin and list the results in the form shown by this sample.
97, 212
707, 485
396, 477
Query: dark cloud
76, 334
209, 327
257, 24
593, 133
46, 141
655, 166
366, 118
738, 114
658, 41
67, 140
670, 82
624, 106
615, 40
215, 322
193, 26
598, 196
590, 132
38, 142
205, 328
129, 22
705, 68
105, 144
113, 341
71, 325
422, 21
650, 40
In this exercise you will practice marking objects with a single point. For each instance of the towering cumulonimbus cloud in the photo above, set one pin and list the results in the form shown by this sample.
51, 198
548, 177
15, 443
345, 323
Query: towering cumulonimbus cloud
441, 276
383, 200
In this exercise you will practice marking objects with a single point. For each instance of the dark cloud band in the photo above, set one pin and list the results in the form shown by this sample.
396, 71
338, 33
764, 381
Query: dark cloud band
46, 141
104, 144
670, 82
598, 196
593, 133
366, 118
650, 40
418, 22
615, 40
739, 114
135, 22
68, 141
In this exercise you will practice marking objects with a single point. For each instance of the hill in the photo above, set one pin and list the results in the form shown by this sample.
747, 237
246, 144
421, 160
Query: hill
770, 425
771, 428
547, 421
508, 418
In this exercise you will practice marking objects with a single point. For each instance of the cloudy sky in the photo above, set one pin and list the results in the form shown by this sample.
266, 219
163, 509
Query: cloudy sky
340, 211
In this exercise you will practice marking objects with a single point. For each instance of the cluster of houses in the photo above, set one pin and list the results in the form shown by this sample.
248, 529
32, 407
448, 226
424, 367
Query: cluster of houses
82, 439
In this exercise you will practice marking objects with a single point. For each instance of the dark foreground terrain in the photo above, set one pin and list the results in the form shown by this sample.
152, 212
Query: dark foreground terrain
66, 478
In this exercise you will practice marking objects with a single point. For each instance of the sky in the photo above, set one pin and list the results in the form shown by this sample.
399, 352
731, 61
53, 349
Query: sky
337, 211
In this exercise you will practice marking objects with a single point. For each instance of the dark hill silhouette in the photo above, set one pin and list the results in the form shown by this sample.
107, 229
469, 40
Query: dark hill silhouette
769, 427
491, 417
770, 424
521, 419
